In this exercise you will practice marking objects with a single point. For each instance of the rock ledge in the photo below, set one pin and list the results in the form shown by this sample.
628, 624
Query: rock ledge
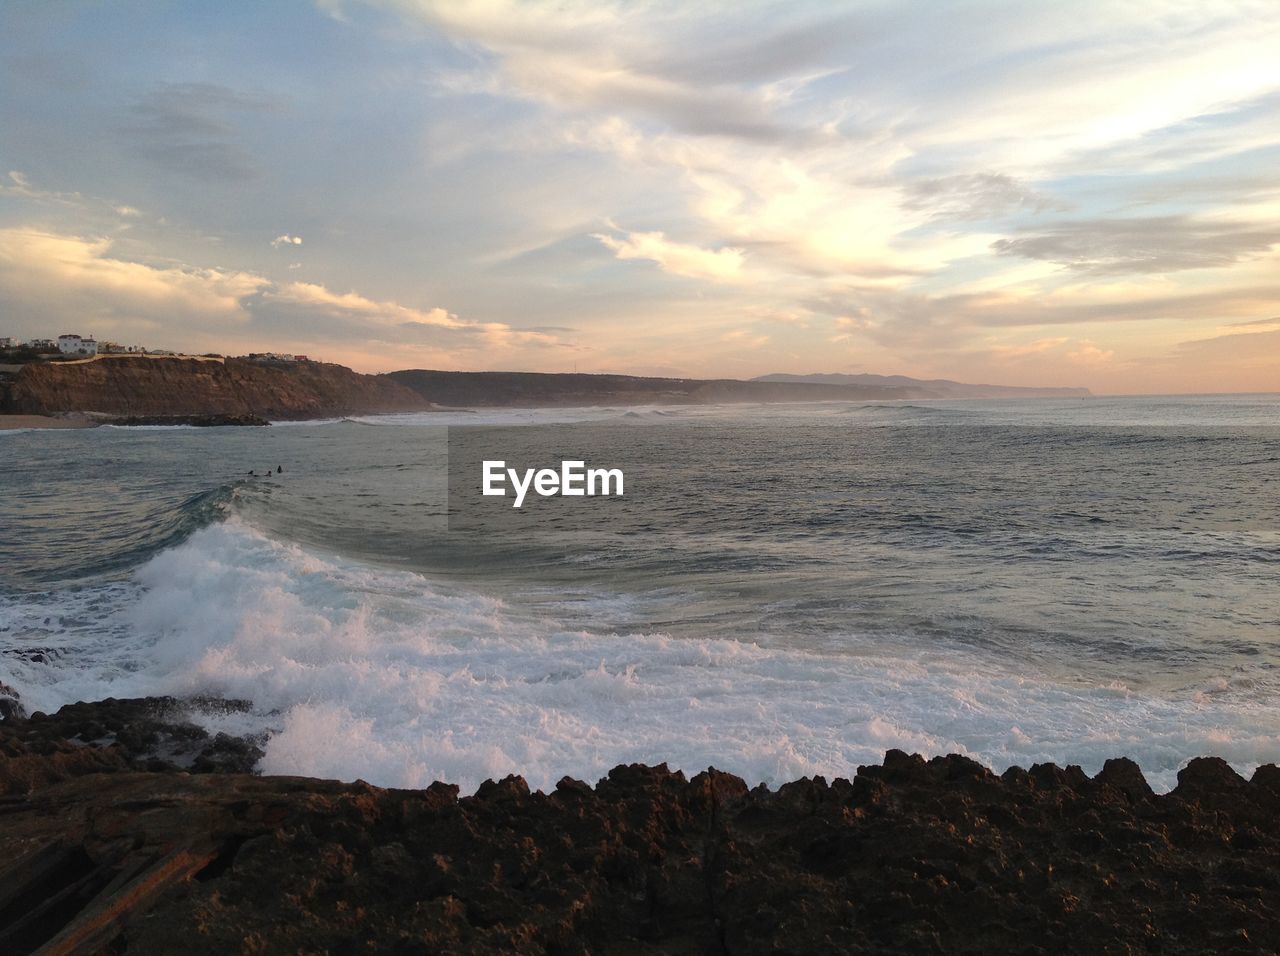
909, 856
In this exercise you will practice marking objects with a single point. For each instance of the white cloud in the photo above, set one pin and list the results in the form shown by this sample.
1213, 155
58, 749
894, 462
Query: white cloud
78, 278
352, 303
814, 180
51, 279
721, 265
745, 339
393, 321
1089, 353
1037, 347
286, 240
20, 186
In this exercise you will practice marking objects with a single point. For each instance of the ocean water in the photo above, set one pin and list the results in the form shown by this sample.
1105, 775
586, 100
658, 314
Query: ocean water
784, 590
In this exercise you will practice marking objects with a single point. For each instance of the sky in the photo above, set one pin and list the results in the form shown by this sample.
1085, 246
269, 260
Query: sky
1070, 193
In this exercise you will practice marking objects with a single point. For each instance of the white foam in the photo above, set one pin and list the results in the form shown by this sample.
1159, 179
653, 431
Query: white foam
383, 675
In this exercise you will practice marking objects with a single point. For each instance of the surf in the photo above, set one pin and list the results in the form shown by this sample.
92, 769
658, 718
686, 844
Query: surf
362, 672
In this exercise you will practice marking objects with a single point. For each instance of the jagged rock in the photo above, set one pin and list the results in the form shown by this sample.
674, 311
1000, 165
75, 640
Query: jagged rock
909, 856
508, 789
1126, 776
227, 754
898, 767
1052, 777
1268, 776
958, 767
150, 732
1207, 775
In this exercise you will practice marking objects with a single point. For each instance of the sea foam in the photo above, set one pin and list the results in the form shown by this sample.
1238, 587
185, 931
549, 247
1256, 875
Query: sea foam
365, 672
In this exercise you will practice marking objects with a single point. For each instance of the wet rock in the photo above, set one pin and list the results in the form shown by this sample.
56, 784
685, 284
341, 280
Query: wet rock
10, 704
228, 754
154, 733
199, 421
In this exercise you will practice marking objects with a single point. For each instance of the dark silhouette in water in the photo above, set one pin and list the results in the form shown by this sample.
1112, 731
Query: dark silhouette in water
279, 469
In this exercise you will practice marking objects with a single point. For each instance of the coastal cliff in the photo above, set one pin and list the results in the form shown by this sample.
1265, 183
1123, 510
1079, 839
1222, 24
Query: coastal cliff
142, 387
171, 386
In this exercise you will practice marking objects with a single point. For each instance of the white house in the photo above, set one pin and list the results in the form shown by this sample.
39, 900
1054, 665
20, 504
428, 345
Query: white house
72, 344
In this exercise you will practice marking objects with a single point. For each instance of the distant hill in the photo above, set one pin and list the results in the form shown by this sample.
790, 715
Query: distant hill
934, 388
565, 389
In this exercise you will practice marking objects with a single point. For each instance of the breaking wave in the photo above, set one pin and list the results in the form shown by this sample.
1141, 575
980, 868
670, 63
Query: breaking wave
365, 672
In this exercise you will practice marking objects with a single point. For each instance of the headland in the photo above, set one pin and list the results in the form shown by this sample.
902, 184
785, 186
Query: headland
181, 389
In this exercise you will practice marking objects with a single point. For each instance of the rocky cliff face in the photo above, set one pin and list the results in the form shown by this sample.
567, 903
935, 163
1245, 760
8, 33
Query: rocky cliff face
141, 386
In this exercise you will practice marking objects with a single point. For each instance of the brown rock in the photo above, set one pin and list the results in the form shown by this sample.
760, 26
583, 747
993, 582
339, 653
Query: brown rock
1126, 776
142, 387
1207, 775
909, 857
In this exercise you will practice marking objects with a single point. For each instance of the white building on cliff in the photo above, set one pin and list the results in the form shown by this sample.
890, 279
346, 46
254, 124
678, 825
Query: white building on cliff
72, 344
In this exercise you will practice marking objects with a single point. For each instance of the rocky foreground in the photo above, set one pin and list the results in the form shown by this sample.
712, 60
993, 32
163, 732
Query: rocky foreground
123, 828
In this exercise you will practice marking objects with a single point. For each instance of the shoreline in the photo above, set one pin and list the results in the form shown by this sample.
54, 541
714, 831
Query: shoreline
907, 856
16, 422
95, 420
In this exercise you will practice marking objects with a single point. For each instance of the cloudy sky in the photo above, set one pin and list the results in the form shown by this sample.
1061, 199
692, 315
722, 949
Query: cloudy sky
1027, 193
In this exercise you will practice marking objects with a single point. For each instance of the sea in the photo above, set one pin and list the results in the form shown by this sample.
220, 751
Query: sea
780, 591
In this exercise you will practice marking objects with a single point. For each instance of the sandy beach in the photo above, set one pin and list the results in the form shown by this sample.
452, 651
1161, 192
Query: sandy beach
11, 422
